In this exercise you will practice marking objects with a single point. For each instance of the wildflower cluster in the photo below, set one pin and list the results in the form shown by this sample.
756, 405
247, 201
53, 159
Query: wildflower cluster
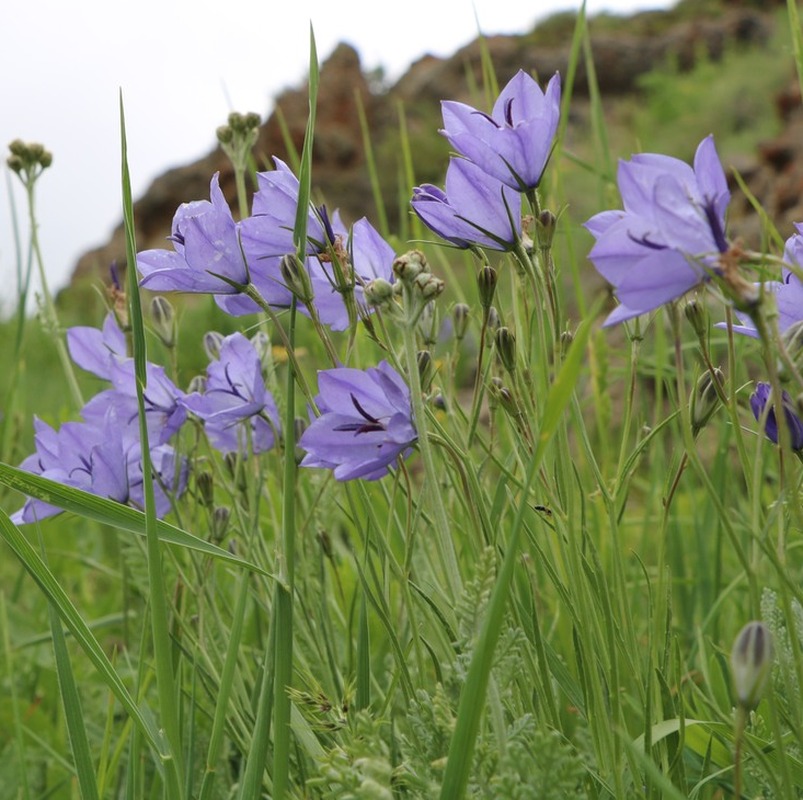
385, 382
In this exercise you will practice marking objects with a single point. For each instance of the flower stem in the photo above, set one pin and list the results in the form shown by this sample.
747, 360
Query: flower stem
443, 538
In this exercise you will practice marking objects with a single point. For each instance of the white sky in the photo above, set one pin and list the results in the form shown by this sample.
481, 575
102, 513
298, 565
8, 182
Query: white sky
182, 66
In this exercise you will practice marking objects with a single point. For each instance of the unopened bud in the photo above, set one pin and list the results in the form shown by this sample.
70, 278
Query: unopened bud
163, 320
224, 134
429, 286
487, 279
705, 398
751, 662
197, 385
506, 348
220, 523
461, 315
213, 341
296, 278
46, 159
379, 292
426, 370
545, 225
493, 323
409, 266
205, 484
697, 315
17, 148
264, 349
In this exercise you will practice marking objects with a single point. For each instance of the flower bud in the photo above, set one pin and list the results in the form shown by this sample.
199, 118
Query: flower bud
426, 370
429, 286
212, 344
224, 134
197, 385
296, 278
493, 323
205, 484
264, 350
545, 225
379, 292
17, 148
487, 279
705, 399
506, 348
409, 266
163, 320
220, 523
461, 315
751, 662
697, 315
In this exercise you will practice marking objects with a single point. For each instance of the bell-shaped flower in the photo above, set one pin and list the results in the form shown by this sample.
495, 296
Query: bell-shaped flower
794, 424
366, 423
788, 291
475, 210
207, 256
512, 143
671, 233
238, 411
97, 351
94, 456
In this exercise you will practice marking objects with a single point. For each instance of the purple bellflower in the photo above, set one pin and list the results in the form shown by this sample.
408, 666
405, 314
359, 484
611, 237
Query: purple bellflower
788, 291
758, 402
103, 353
97, 459
238, 411
366, 423
512, 143
206, 257
671, 234
476, 210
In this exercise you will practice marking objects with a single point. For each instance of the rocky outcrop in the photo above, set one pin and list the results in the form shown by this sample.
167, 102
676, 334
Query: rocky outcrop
637, 45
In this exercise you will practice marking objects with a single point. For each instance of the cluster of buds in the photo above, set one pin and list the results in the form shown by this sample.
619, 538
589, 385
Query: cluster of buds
28, 159
238, 136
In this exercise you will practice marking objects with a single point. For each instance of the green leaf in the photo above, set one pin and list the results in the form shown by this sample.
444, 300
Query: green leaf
109, 512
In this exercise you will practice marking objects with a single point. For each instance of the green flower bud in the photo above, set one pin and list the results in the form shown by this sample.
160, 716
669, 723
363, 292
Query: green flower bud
697, 315
205, 484
15, 164
461, 314
46, 159
296, 278
379, 292
426, 370
212, 344
197, 384
506, 348
224, 134
487, 279
493, 323
220, 523
751, 662
163, 320
409, 266
545, 225
429, 286
705, 399
18, 148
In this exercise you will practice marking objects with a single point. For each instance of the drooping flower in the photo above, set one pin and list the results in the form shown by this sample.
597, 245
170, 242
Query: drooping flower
788, 291
671, 234
514, 141
476, 209
206, 257
267, 237
366, 423
238, 411
95, 457
103, 353
794, 424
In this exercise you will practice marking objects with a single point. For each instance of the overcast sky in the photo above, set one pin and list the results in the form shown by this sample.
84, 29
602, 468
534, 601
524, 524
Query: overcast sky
182, 66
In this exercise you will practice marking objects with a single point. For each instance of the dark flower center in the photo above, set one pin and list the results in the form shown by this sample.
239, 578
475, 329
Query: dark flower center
372, 424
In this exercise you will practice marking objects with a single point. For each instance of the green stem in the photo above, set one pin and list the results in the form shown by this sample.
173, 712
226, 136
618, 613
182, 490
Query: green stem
285, 569
51, 315
443, 529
